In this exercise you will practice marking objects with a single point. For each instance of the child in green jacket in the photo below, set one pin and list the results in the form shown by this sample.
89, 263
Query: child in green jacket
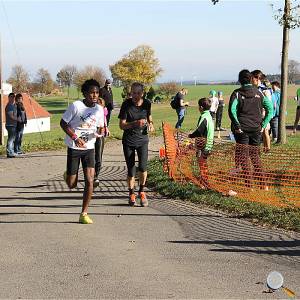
204, 135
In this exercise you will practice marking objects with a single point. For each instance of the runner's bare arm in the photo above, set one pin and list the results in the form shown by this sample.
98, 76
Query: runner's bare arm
150, 122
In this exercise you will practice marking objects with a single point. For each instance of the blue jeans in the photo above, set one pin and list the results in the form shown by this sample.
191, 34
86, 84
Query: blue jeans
180, 114
274, 127
18, 139
11, 131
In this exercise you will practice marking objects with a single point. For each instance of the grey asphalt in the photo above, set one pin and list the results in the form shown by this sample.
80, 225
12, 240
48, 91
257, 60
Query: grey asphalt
172, 249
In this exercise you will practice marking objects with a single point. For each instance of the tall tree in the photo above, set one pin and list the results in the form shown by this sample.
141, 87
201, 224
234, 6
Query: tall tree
44, 81
65, 77
289, 19
19, 79
140, 64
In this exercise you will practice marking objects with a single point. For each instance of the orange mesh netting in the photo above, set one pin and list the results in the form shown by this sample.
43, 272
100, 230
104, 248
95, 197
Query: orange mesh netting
234, 169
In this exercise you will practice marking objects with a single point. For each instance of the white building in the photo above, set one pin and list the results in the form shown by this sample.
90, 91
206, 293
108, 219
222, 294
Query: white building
38, 118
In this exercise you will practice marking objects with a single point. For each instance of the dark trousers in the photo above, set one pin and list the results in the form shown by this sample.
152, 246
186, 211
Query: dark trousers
11, 131
129, 154
99, 147
108, 116
180, 115
219, 115
248, 147
274, 127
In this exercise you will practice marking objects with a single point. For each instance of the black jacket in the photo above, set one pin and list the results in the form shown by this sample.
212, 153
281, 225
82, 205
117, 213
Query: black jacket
107, 95
245, 108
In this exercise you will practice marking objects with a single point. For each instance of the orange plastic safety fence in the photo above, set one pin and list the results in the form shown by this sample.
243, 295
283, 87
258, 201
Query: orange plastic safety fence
234, 169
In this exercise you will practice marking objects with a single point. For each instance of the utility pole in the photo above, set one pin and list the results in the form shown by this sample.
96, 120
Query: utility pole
1, 100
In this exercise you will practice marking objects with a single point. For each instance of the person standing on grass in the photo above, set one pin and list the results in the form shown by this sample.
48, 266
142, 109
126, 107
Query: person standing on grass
204, 135
99, 145
107, 94
259, 80
11, 125
22, 121
297, 117
214, 103
276, 107
82, 122
220, 109
136, 120
181, 106
247, 124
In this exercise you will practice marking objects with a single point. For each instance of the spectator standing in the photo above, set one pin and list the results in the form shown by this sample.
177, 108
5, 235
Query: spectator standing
107, 94
136, 120
22, 121
297, 117
259, 80
181, 106
247, 124
82, 122
204, 135
214, 103
11, 125
219, 114
276, 108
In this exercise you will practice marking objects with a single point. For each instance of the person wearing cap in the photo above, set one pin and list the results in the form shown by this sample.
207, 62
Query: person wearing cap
107, 95
214, 103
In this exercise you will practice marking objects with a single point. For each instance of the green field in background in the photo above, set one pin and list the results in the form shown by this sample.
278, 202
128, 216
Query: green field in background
56, 105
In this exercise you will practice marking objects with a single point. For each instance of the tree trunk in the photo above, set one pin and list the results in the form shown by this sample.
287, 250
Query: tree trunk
284, 74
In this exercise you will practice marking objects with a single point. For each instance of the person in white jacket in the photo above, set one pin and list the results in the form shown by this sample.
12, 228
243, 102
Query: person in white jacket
214, 103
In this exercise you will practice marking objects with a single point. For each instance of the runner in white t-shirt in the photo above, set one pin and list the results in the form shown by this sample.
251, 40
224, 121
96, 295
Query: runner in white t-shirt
82, 122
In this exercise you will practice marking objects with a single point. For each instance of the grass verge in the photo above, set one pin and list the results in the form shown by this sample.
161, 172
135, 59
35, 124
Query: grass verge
287, 218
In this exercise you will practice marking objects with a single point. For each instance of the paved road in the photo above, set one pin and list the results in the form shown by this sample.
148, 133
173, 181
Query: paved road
170, 250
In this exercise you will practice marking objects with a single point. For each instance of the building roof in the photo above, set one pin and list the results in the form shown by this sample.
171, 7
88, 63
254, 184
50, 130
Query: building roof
32, 107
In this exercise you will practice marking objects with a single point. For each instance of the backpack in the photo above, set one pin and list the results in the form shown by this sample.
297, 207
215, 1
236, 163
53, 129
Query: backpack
174, 103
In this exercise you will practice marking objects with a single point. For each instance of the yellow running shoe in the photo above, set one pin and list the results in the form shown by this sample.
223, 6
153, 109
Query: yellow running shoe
85, 219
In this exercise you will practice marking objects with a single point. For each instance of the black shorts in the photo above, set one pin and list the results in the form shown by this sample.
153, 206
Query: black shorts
248, 138
87, 158
129, 153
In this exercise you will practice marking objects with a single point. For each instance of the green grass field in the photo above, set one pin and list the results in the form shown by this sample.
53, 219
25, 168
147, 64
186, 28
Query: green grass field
161, 112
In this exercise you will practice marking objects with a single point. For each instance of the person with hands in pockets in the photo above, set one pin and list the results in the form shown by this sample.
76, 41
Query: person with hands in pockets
82, 122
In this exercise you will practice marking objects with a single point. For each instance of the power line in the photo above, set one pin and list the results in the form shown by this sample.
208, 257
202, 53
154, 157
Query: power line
11, 33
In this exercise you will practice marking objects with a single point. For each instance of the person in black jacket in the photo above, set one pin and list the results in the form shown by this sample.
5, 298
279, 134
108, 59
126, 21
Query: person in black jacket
247, 123
107, 95
22, 121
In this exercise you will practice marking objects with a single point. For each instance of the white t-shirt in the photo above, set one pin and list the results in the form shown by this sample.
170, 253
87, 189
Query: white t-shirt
84, 120
214, 104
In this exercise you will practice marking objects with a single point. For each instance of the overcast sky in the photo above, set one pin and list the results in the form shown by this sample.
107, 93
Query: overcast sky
191, 38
